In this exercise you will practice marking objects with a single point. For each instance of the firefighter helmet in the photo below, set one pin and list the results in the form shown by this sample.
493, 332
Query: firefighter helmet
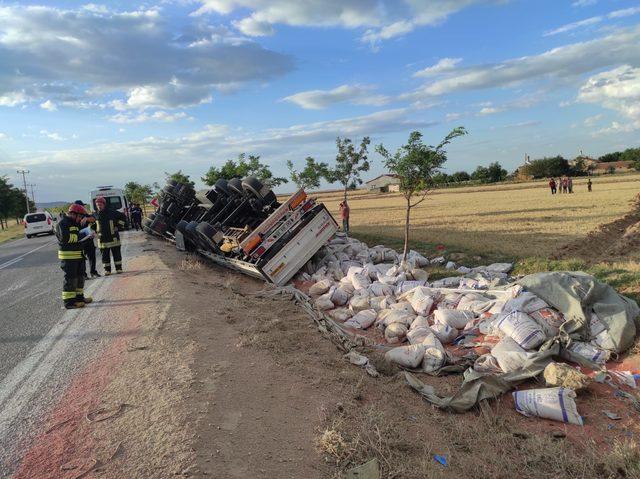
78, 209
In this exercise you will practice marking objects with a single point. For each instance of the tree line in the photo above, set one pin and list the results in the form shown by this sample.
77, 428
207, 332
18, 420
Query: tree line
13, 203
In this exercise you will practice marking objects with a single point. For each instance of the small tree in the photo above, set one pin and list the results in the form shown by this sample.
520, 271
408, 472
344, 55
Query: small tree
244, 166
350, 162
179, 177
416, 163
309, 177
138, 193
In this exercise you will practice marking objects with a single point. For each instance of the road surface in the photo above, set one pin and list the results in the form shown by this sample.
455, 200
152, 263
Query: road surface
42, 345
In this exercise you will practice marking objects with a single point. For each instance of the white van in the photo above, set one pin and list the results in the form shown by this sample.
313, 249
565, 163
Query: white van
38, 223
115, 198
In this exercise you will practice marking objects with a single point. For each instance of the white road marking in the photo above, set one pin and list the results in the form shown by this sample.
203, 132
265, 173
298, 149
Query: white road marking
15, 260
22, 383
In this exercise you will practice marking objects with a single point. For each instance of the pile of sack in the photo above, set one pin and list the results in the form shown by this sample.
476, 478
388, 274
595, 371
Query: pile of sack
522, 324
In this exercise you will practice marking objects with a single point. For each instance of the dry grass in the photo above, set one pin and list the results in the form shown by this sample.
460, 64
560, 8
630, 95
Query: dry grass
191, 263
14, 231
511, 220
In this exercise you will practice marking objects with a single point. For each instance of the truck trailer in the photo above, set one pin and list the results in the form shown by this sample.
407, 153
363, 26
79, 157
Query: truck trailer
240, 224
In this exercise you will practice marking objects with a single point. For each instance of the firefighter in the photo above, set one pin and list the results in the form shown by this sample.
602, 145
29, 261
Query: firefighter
87, 245
72, 257
108, 224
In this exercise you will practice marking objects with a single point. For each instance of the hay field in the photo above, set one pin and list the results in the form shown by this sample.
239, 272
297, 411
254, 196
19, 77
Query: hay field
504, 221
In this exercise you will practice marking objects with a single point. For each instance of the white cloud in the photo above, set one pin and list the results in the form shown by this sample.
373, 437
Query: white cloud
627, 12
592, 120
523, 124
584, 3
384, 19
618, 90
48, 105
13, 98
52, 135
319, 99
490, 110
563, 63
159, 116
444, 65
4, 136
44, 58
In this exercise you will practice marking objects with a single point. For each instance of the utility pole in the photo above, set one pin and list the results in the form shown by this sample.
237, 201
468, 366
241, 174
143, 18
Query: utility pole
33, 196
24, 182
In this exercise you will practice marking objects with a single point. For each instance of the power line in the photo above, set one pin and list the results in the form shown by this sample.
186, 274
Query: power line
24, 181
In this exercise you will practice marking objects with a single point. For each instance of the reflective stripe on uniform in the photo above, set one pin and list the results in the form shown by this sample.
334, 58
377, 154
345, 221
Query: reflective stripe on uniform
70, 254
80, 291
68, 294
111, 227
108, 244
117, 263
73, 238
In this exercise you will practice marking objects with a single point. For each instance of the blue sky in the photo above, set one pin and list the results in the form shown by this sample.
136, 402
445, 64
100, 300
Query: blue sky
104, 93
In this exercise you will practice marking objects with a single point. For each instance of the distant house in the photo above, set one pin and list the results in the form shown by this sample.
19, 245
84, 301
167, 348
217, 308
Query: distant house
612, 166
384, 183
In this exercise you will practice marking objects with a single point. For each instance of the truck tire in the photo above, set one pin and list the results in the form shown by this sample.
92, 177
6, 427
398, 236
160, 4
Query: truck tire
252, 186
222, 187
181, 226
235, 185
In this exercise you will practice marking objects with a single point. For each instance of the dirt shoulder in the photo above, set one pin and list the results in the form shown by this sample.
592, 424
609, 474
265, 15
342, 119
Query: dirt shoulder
206, 379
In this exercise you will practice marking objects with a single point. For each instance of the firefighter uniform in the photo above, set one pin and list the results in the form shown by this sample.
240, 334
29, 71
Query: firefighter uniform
70, 253
108, 225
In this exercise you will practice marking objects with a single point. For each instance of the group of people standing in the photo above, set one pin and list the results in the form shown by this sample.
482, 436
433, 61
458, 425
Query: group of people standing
76, 232
565, 185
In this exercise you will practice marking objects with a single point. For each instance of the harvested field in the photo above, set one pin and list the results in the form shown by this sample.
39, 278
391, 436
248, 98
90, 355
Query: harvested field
504, 221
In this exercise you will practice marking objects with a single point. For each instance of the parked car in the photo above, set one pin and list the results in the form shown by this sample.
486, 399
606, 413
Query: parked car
38, 223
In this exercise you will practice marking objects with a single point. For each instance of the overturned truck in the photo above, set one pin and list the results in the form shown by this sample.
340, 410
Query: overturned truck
240, 224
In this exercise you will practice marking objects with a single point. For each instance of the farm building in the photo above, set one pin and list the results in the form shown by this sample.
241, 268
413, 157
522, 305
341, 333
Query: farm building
384, 183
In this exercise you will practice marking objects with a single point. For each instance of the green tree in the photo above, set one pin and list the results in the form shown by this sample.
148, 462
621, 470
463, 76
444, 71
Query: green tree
6, 201
547, 167
496, 172
416, 164
440, 178
610, 157
350, 163
244, 166
310, 176
460, 176
481, 173
179, 177
630, 154
138, 193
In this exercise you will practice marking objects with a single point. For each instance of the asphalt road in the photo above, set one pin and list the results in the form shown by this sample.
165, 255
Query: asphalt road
42, 345
30, 284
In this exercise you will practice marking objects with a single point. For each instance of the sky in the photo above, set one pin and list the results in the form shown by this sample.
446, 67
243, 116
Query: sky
106, 93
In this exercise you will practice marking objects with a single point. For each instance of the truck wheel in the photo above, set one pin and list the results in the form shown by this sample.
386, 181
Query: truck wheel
235, 185
182, 226
253, 185
222, 187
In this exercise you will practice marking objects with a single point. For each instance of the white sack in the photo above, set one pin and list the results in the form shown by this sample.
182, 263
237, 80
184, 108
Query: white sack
418, 259
499, 267
487, 363
340, 296
434, 355
450, 265
360, 281
453, 318
388, 316
380, 302
395, 333
324, 302
588, 351
362, 320
359, 303
340, 314
557, 404
422, 301
522, 329
407, 356
404, 286
320, 287
444, 332
451, 282
418, 335
403, 306
510, 356
380, 289
420, 322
